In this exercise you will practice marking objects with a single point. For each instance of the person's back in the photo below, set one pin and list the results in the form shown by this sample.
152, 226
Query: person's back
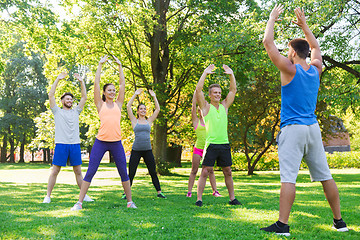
299, 97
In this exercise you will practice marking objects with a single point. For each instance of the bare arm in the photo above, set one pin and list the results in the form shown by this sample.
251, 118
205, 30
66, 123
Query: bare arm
129, 109
83, 90
282, 63
51, 94
194, 116
157, 108
97, 95
199, 87
316, 58
232, 91
121, 95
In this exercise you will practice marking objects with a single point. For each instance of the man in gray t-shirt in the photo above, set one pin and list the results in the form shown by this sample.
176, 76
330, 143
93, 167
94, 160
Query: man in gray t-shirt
67, 140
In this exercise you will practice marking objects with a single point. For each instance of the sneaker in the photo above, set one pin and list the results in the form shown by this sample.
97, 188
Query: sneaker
123, 197
340, 226
217, 194
131, 205
235, 202
77, 207
88, 199
198, 203
47, 199
161, 195
284, 231
188, 194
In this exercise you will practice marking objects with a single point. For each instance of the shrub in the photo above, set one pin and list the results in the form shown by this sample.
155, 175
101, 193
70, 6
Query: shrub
270, 161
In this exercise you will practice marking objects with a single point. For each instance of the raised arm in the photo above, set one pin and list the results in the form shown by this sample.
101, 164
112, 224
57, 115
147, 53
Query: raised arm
232, 91
129, 109
97, 95
199, 87
282, 63
316, 58
194, 116
51, 94
157, 107
83, 90
121, 95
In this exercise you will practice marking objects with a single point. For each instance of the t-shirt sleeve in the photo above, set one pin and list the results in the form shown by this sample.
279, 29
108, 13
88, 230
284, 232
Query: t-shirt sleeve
55, 109
78, 109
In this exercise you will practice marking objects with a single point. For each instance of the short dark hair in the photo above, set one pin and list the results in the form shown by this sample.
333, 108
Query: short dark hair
213, 85
66, 94
104, 88
301, 47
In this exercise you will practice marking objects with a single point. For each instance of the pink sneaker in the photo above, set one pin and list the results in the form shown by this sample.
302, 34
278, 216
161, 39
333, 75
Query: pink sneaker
188, 194
217, 194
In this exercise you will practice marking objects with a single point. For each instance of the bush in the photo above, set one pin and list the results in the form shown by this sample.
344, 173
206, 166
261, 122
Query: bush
270, 161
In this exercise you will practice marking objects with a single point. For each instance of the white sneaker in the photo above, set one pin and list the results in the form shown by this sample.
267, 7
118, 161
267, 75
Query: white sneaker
131, 205
88, 199
47, 199
77, 207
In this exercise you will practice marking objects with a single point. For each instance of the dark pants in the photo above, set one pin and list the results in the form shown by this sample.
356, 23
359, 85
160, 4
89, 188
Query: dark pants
150, 164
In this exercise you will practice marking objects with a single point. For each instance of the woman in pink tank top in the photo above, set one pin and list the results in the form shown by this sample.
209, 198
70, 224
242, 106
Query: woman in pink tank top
109, 135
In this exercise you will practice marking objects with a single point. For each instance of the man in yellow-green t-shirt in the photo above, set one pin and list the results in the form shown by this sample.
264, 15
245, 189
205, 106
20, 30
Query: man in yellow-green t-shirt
217, 146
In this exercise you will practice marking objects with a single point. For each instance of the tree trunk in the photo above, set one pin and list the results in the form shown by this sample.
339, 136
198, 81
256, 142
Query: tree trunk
22, 150
111, 158
160, 142
4, 149
12, 150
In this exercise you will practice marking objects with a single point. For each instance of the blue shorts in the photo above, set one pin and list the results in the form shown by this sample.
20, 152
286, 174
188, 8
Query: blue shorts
67, 153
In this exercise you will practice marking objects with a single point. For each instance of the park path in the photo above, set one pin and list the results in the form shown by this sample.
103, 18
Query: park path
108, 176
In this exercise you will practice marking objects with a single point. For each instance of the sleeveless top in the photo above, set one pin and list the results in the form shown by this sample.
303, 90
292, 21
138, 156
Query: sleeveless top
110, 130
142, 137
299, 97
216, 122
200, 131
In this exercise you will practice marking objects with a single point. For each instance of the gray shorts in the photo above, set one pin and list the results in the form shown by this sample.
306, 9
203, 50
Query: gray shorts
297, 142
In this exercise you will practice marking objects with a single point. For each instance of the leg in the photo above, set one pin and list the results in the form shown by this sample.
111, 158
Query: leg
194, 169
52, 179
133, 164
151, 166
202, 181
287, 197
212, 181
78, 175
117, 150
229, 182
332, 195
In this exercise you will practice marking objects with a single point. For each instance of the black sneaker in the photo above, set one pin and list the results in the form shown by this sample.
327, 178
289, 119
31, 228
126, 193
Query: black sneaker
284, 231
198, 203
161, 195
235, 202
340, 226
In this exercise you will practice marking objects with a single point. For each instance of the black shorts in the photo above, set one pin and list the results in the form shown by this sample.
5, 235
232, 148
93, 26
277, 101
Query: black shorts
218, 152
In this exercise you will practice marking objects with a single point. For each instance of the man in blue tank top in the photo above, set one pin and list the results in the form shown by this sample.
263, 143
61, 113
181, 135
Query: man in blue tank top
300, 136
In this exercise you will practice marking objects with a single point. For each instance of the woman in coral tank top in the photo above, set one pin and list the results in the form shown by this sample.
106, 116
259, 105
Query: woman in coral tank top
109, 135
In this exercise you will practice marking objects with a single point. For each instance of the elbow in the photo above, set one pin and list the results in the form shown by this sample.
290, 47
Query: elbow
265, 42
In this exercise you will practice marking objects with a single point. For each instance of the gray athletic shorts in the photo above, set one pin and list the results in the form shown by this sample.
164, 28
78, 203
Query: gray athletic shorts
297, 142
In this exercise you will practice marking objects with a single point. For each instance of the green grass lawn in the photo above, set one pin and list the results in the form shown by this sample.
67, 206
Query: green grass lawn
22, 215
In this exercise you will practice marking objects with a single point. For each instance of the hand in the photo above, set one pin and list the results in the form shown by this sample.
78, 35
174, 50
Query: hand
152, 93
209, 69
117, 60
300, 15
275, 13
138, 91
227, 69
62, 75
103, 59
78, 77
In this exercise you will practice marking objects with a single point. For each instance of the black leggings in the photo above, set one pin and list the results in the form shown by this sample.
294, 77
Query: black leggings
150, 164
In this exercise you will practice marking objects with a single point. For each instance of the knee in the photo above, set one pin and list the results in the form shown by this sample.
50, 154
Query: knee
55, 171
227, 172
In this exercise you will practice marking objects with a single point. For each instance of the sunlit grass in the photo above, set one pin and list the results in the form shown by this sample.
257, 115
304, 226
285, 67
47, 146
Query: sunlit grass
23, 216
